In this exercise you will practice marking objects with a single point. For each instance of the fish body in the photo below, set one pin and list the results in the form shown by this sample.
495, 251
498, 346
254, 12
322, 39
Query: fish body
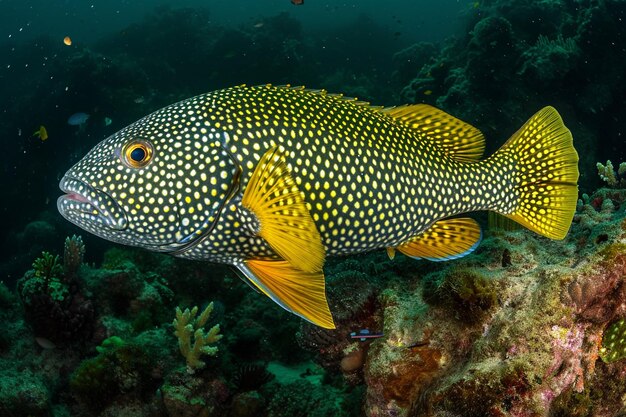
365, 334
271, 180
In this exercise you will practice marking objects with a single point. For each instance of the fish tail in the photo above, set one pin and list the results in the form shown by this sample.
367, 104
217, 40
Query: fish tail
544, 171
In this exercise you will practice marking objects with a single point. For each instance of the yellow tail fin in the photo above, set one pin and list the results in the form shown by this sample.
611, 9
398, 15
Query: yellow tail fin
546, 165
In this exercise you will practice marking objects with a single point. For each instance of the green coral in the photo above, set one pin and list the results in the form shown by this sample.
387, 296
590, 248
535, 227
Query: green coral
44, 278
73, 254
47, 266
121, 367
614, 342
610, 175
186, 326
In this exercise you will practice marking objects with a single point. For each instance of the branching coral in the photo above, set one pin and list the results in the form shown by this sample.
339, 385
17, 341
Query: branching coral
73, 254
610, 176
187, 325
47, 266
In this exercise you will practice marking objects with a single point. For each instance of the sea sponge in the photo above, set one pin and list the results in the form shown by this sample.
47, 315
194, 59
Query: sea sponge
468, 291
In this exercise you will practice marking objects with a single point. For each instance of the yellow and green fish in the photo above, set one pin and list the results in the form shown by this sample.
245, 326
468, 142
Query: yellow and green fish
272, 180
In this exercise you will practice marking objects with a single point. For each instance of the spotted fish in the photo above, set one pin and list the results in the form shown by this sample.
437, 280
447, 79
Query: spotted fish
272, 180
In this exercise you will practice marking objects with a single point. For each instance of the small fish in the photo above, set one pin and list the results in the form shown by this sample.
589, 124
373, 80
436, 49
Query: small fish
41, 133
258, 25
365, 334
67, 41
428, 92
45, 343
273, 180
78, 119
297, 2
139, 100
107, 121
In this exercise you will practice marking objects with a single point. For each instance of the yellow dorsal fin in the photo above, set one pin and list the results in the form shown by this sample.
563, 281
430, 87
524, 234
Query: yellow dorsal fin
299, 292
445, 240
460, 140
285, 222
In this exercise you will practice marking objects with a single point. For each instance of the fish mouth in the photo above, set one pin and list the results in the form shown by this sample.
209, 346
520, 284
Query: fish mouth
89, 208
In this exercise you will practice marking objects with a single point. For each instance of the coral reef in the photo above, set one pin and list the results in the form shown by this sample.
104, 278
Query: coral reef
611, 176
54, 305
515, 55
187, 327
522, 327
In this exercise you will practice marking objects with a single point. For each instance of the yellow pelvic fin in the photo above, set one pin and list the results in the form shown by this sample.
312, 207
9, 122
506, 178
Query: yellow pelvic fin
460, 140
546, 166
302, 293
391, 253
445, 240
285, 222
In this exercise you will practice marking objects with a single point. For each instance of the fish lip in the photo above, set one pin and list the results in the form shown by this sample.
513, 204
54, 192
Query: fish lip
78, 206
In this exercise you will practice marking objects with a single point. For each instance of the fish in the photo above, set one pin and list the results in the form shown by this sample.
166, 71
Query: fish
78, 119
365, 334
67, 41
272, 180
41, 133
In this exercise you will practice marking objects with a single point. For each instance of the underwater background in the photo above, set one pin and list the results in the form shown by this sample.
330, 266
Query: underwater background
524, 326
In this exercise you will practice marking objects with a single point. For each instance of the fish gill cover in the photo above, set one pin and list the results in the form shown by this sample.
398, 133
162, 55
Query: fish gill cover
522, 326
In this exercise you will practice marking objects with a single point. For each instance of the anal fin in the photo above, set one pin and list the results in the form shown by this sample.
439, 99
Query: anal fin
299, 292
445, 240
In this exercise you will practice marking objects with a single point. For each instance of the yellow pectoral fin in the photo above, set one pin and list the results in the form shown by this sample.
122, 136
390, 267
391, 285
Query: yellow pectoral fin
445, 240
285, 222
302, 293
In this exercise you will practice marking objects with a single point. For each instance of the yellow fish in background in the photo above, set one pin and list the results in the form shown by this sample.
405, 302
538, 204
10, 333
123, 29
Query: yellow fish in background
41, 133
271, 180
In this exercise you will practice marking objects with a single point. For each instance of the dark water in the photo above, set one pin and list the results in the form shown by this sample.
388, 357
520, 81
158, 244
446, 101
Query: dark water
130, 58
491, 63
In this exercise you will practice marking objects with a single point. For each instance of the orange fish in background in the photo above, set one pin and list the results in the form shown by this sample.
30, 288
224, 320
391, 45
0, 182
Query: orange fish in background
67, 40
297, 2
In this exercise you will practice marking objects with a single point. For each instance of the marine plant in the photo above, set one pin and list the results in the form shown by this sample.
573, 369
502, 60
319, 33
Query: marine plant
251, 376
120, 367
47, 267
44, 278
187, 327
55, 308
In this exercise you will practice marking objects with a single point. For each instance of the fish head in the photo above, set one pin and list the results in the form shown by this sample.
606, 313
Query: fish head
159, 183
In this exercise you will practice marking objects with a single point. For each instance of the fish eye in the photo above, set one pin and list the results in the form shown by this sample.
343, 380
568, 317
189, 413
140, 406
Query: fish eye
137, 154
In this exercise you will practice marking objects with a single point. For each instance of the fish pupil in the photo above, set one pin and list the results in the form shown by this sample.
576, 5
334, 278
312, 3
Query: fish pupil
138, 154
